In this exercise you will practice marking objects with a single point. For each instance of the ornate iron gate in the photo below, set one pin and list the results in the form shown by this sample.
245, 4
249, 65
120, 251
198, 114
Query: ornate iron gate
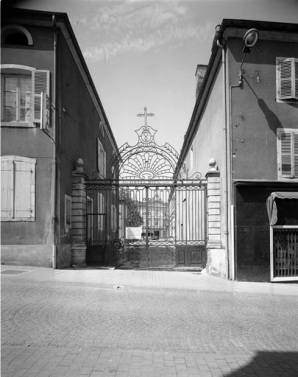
148, 224
146, 212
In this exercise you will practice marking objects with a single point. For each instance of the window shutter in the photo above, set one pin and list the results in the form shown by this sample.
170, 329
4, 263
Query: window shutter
104, 163
295, 136
41, 98
6, 188
296, 77
288, 79
24, 190
98, 155
286, 154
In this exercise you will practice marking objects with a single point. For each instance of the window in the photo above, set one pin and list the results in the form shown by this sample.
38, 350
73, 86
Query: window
287, 153
67, 213
113, 217
25, 97
16, 35
17, 188
100, 211
102, 128
287, 78
101, 159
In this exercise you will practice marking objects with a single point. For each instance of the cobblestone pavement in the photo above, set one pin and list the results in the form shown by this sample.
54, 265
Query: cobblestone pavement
96, 322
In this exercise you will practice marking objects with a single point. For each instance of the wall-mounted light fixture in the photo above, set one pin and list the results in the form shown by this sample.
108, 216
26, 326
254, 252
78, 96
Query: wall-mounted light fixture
249, 41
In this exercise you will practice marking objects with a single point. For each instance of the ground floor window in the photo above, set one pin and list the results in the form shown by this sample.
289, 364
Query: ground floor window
17, 188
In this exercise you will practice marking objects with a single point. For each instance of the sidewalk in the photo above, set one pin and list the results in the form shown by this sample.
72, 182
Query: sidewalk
98, 322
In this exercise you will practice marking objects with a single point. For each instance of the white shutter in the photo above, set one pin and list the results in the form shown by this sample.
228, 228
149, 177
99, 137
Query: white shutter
296, 78
295, 142
41, 99
24, 190
287, 71
6, 189
286, 154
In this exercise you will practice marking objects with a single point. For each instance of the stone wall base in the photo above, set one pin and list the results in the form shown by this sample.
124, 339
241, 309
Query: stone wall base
78, 254
27, 255
216, 262
63, 257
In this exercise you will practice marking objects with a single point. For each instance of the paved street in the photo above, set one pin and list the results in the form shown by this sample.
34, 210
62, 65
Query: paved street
96, 322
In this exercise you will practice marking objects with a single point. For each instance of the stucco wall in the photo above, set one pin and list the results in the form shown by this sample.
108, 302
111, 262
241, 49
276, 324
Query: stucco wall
256, 114
26, 242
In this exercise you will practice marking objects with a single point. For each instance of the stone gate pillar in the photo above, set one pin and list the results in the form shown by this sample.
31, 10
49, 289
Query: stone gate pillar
215, 253
78, 216
213, 206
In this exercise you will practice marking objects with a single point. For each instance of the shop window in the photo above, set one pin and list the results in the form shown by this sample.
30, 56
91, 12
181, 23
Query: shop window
17, 188
286, 79
25, 97
287, 148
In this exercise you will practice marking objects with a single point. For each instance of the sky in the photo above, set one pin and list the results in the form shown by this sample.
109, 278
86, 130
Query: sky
145, 53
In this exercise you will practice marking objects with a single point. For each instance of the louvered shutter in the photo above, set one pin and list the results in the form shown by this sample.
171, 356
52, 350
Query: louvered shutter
296, 77
6, 189
98, 155
24, 190
295, 142
288, 79
41, 98
286, 154
104, 163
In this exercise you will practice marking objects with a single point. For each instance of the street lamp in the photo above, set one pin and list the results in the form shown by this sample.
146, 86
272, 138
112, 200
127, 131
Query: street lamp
250, 38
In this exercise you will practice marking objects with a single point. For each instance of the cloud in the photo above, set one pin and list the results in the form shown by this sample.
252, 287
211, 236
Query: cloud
138, 26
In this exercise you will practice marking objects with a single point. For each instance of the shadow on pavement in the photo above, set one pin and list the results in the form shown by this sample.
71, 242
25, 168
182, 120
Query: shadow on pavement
269, 364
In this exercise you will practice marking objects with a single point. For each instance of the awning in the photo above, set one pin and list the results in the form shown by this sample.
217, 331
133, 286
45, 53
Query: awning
271, 205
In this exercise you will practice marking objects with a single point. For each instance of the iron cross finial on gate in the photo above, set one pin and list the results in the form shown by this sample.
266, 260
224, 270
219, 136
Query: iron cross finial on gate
145, 115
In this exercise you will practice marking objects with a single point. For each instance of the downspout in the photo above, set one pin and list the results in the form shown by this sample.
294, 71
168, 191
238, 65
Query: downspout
54, 170
227, 163
239, 85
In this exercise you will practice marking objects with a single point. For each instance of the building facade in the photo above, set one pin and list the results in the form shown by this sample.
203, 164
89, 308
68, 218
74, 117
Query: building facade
245, 122
52, 117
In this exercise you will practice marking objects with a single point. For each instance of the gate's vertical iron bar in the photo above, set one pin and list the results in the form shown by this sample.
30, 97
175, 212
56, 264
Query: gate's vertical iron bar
117, 221
175, 214
147, 222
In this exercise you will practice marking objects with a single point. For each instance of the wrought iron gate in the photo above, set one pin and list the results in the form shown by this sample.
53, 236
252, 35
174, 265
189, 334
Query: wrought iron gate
148, 213
148, 224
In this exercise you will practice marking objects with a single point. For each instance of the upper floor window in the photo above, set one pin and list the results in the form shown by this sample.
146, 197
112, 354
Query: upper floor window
287, 148
287, 79
101, 159
17, 188
16, 35
25, 94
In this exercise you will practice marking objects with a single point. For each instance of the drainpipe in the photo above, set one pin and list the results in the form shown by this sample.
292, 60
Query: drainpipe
227, 162
239, 85
54, 170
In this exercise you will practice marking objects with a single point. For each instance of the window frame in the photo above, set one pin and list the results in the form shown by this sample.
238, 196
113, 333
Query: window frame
13, 190
293, 152
40, 101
